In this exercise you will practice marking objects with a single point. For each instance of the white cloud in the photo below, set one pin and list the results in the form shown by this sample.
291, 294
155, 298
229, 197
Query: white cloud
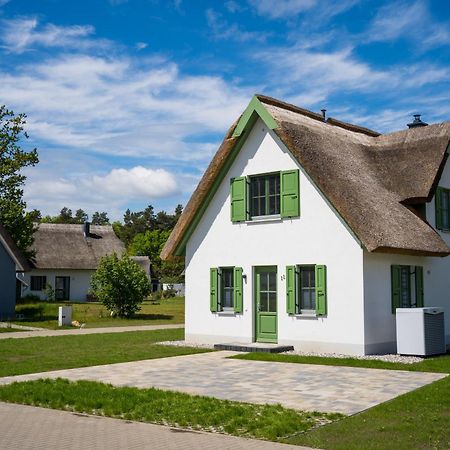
221, 29
141, 45
111, 192
137, 182
408, 19
276, 9
18, 35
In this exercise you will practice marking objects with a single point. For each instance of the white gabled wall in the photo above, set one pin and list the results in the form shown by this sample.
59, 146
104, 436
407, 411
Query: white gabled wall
80, 281
318, 236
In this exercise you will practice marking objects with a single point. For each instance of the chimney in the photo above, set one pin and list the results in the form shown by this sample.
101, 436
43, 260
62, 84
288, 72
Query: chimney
87, 229
417, 122
324, 112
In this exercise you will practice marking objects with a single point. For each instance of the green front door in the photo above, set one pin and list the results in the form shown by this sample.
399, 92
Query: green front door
266, 304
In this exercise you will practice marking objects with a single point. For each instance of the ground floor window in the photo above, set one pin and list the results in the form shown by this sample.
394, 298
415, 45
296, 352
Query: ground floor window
38, 282
306, 289
407, 286
226, 289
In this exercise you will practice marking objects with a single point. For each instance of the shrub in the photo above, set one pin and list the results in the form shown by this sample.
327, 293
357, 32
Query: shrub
120, 284
169, 293
49, 292
29, 298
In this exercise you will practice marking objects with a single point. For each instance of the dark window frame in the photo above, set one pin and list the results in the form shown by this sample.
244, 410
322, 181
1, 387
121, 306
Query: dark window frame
223, 289
265, 209
38, 282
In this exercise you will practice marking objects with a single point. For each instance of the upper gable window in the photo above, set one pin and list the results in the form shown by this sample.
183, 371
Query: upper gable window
259, 195
442, 206
265, 195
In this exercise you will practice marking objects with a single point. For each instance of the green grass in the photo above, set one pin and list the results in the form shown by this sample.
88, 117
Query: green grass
9, 330
433, 364
417, 420
41, 354
93, 314
271, 422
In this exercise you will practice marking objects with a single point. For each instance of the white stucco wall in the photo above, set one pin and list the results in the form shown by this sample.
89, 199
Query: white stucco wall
79, 282
317, 237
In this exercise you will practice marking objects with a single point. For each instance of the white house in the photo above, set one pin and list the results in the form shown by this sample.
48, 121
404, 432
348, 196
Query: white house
66, 256
310, 232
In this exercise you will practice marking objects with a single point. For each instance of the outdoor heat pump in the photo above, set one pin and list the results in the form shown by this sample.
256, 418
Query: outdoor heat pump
420, 331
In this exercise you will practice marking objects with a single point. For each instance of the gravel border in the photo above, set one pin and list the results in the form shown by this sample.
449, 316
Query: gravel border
386, 358
186, 344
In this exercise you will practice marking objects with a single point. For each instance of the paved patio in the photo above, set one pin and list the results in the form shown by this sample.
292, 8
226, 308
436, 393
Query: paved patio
30, 428
299, 386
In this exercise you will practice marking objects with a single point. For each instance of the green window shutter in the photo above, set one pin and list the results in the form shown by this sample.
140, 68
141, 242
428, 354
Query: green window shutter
321, 290
395, 287
238, 289
438, 208
290, 193
238, 194
291, 282
214, 289
419, 286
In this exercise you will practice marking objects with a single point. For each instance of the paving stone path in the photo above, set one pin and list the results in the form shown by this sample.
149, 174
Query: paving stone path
299, 386
30, 428
83, 331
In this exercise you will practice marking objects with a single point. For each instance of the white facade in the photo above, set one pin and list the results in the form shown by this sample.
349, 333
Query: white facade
79, 282
359, 317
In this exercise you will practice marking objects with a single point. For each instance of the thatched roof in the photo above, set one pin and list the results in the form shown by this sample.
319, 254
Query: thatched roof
370, 179
12, 249
64, 246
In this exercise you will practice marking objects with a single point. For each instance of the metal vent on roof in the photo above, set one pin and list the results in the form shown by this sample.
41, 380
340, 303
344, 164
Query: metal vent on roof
417, 122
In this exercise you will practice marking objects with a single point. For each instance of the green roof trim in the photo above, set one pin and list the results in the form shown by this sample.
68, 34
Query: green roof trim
254, 110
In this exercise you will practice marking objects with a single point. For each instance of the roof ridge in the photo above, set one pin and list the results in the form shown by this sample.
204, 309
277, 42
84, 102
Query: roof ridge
313, 115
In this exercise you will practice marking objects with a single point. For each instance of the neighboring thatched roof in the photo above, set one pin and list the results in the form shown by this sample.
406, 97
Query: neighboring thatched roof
64, 246
143, 262
12, 249
368, 178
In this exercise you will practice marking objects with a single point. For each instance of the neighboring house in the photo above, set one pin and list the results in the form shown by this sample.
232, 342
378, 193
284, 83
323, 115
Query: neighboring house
12, 265
311, 232
66, 258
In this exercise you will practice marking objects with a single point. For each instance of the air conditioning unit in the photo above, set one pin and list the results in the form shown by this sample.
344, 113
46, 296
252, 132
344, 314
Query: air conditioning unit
420, 331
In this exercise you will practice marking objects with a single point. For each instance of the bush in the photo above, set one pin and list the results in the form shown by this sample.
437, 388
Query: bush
29, 298
120, 284
49, 292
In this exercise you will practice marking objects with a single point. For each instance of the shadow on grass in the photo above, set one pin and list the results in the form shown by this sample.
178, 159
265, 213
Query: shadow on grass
151, 317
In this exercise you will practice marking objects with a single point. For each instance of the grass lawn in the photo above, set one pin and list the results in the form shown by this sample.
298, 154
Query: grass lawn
272, 422
417, 420
9, 330
40, 354
45, 314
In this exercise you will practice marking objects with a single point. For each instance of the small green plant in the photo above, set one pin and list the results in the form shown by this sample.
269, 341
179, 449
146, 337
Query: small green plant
49, 292
29, 298
120, 285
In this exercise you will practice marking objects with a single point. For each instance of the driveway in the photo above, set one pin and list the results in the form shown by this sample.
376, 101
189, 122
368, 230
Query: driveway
299, 386
30, 428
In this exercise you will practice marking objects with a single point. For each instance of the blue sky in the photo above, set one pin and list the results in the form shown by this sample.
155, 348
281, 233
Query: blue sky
127, 100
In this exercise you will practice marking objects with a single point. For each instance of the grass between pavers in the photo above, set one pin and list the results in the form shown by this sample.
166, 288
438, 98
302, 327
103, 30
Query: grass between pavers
270, 422
42, 354
93, 314
417, 420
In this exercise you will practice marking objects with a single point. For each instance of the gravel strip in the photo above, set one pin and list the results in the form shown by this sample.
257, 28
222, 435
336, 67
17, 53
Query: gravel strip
386, 358
186, 344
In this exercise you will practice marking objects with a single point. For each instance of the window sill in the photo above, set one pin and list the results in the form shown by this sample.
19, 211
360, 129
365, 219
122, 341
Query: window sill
258, 219
229, 312
306, 316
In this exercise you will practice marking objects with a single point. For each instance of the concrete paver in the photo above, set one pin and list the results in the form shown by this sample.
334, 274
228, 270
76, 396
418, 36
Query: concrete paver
299, 386
84, 331
30, 428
